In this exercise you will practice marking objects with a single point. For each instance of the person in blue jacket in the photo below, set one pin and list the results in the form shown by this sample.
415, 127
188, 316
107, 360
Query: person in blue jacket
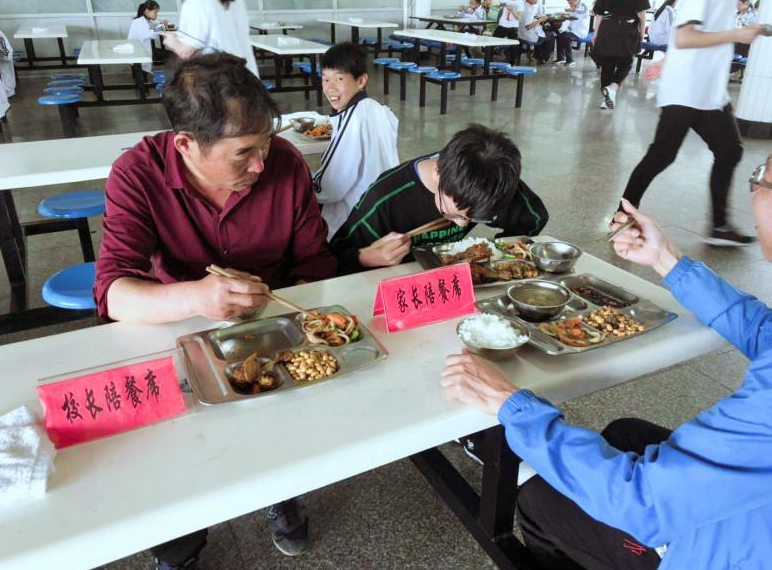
638, 496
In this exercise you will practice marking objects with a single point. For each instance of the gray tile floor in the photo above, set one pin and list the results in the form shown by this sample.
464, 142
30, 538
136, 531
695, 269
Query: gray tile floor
577, 158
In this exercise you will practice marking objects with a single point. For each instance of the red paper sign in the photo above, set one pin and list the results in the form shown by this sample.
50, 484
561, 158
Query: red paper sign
425, 298
111, 401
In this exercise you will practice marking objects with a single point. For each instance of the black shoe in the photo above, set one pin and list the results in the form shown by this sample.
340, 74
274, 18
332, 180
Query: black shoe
289, 526
189, 565
727, 236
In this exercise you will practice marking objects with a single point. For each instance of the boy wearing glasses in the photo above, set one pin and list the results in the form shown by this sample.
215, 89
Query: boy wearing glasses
475, 179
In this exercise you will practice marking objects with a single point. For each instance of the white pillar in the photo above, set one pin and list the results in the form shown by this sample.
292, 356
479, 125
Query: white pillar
754, 109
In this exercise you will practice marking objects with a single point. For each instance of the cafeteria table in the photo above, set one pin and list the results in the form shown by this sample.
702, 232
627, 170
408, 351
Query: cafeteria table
120, 495
441, 22
283, 47
31, 33
356, 24
46, 163
96, 53
263, 28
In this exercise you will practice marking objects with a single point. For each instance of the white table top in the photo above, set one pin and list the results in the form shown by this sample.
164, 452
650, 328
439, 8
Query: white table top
358, 24
100, 52
456, 38
120, 495
274, 26
453, 21
41, 163
35, 32
276, 44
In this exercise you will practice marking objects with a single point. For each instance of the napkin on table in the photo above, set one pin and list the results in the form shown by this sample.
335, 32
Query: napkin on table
286, 41
26, 456
123, 48
36, 30
356, 20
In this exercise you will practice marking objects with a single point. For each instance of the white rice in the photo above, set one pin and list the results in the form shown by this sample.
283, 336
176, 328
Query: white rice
490, 331
466, 243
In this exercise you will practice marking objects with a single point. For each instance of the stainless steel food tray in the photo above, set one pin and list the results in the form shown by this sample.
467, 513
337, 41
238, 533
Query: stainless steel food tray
429, 258
209, 353
646, 312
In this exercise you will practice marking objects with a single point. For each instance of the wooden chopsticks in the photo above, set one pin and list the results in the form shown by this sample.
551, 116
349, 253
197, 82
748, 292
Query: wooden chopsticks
627, 225
437, 224
217, 270
284, 128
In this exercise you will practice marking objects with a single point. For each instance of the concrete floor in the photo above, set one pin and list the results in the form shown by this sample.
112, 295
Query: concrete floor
578, 159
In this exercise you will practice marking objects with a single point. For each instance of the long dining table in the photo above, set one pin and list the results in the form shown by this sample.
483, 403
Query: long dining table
116, 496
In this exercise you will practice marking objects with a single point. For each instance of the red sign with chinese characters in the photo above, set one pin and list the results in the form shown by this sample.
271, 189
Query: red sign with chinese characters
111, 401
425, 298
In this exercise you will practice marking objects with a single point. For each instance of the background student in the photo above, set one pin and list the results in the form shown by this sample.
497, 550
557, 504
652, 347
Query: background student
530, 30
660, 28
364, 135
142, 25
507, 25
693, 95
619, 30
746, 16
7, 76
575, 30
213, 25
474, 180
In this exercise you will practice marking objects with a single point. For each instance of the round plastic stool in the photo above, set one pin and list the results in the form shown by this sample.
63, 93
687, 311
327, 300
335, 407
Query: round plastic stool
422, 69
82, 204
71, 288
63, 90
58, 99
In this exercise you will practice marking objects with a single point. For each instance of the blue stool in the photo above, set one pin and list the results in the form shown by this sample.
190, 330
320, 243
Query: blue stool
77, 206
422, 69
586, 40
371, 41
76, 52
67, 83
519, 73
441, 78
63, 90
381, 61
68, 77
67, 110
401, 68
304, 66
472, 61
159, 76
71, 288
268, 85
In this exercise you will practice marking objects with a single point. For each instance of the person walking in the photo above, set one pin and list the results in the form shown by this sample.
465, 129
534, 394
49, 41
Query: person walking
619, 30
693, 95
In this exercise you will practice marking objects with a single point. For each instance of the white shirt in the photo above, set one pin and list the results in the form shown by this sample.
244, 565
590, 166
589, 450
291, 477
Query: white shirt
747, 18
698, 77
659, 30
141, 30
581, 26
510, 13
7, 77
209, 26
363, 145
528, 16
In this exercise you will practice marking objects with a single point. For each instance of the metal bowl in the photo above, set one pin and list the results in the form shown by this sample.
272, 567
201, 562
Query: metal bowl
302, 124
555, 256
538, 300
495, 353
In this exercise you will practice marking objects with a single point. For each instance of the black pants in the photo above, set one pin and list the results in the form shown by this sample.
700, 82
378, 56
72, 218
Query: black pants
719, 131
511, 34
613, 69
563, 537
564, 41
545, 47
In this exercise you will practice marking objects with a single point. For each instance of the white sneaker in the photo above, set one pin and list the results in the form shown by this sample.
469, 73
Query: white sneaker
607, 97
569, 64
603, 104
613, 94
558, 62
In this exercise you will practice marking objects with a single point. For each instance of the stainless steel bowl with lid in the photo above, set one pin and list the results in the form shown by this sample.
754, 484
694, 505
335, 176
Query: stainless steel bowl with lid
555, 256
302, 124
538, 300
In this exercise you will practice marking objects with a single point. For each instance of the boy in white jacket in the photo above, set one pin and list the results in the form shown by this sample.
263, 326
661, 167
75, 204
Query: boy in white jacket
364, 135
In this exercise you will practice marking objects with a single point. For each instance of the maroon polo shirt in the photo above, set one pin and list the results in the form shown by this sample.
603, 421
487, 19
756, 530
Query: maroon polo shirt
158, 227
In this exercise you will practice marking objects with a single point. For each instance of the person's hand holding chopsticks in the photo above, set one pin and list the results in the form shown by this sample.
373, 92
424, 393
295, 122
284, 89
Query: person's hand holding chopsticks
387, 251
219, 297
643, 242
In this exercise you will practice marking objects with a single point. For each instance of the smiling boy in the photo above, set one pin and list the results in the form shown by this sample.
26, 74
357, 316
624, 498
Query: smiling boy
364, 135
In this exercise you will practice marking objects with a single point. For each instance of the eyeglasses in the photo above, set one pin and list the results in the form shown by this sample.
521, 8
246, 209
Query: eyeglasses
757, 178
462, 217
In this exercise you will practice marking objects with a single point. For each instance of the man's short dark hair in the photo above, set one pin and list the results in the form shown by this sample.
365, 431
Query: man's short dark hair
346, 58
479, 168
214, 96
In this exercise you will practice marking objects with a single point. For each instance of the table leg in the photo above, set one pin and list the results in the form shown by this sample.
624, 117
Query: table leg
416, 50
277, 65
488, 516
315, 81
444, 98
519, 96
487, 60
29, 47
332, 33
95, 76
443, 55
355, 35
13, 251
62, 53
136, 70
495, 88
385, 79
473, 82
402, 84
378, 42
457, 61
422, 93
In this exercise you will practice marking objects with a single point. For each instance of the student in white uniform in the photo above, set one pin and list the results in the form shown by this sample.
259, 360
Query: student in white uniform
693, 95
575, 30
507, 26
7, 77
142, 28
746, 15
213, 25
659, 29
530, 29
476, 11
364, 135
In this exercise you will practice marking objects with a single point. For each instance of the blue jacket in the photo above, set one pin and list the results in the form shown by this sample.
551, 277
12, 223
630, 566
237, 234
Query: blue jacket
707, 491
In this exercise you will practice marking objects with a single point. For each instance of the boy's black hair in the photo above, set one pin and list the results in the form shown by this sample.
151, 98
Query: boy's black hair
479, 168
214, 96
346, 58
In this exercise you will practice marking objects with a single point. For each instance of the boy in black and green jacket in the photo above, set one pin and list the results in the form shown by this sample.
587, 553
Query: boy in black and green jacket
474, 179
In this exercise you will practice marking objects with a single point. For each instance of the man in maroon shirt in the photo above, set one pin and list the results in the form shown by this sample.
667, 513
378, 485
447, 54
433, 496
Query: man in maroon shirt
222, 189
